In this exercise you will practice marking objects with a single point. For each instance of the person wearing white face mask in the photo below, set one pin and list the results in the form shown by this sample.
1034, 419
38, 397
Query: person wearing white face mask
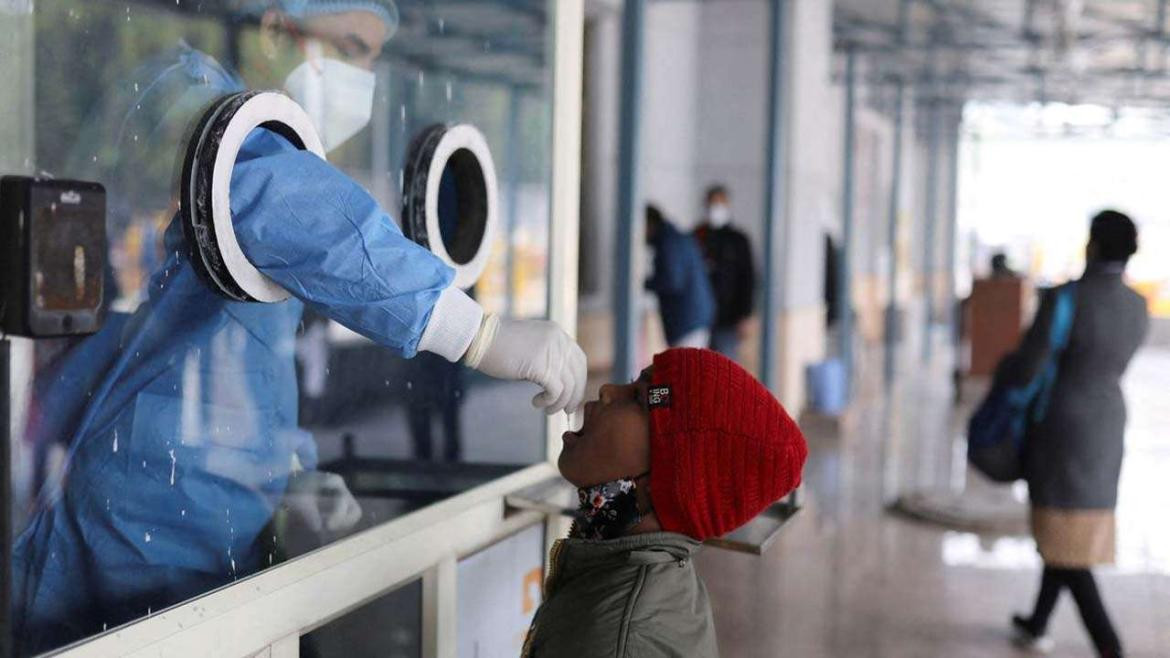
728, 255
189, 400
335, 86
339, 44
338, 97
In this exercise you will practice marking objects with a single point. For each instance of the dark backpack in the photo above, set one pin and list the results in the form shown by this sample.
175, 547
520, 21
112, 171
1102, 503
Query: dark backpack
998, 428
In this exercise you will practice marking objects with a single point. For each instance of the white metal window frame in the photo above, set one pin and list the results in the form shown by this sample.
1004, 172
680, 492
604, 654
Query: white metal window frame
265, 614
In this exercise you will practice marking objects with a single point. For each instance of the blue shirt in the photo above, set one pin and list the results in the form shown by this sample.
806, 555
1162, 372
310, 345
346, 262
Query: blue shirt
680, 280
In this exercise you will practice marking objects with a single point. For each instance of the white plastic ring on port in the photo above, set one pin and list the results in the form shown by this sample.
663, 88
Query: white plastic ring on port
460, 141
263, 108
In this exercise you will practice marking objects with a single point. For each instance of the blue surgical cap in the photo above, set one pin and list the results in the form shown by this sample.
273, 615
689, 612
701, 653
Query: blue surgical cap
384, 9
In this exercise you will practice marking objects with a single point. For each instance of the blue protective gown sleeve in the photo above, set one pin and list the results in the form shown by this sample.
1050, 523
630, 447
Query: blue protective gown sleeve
322, 237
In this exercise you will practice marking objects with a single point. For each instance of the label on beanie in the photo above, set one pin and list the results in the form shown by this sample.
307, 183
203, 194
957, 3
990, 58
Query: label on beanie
658, 396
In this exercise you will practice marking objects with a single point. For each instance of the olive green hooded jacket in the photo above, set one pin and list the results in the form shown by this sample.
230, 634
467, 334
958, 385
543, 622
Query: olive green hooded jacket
631, 597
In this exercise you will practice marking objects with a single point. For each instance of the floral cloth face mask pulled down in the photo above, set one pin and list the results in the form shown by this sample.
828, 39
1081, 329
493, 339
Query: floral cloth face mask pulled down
607, 510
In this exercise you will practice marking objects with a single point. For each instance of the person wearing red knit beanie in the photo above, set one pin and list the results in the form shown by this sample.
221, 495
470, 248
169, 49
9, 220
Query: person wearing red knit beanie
691, 450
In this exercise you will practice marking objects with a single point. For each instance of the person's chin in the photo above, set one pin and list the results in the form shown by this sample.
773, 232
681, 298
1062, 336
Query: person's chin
565, 466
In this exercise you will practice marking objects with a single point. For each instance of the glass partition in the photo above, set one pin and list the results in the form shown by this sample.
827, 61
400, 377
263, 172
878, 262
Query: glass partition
389, 626
195, 441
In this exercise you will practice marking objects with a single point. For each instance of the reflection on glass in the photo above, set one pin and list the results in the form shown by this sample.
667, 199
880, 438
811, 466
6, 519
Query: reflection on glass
195, 441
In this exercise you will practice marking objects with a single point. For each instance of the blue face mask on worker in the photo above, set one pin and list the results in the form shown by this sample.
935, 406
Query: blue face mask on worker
337, 96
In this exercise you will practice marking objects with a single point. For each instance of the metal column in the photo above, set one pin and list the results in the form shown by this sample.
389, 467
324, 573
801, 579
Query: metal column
931, 221
630, 231
893, 319
5, 503
955, 322
892, 328
1160, 35
844, 263
512, 174
775, 197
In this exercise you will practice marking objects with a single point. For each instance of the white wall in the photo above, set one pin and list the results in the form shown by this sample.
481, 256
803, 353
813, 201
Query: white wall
816, 127
669, 108
704, 111
732, 107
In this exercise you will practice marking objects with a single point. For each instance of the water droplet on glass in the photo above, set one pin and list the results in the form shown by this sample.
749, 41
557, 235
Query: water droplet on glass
448, 91
402, 113
421, 78
148, 537
115, 439
135, 87
183, 513
173, 462
409, 386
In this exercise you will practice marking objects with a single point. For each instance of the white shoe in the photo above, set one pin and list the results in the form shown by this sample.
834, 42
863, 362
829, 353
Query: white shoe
1024, 639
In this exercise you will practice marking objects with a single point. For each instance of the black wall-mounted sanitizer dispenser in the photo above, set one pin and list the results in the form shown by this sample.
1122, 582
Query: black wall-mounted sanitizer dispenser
52, 256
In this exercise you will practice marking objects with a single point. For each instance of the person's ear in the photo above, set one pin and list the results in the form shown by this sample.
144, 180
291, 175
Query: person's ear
274, 32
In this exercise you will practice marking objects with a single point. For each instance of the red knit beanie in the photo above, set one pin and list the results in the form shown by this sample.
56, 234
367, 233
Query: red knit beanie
721, 447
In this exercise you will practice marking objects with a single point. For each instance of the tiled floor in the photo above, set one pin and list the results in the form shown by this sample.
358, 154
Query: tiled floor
849, 578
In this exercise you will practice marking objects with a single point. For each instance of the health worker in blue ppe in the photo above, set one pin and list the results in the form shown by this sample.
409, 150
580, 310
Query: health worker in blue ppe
180, 416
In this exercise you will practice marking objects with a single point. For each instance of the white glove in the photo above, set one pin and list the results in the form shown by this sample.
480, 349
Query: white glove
322, 501
537, 351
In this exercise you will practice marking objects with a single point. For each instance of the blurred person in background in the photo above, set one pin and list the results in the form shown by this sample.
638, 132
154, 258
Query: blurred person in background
680, 281
728, 255
1000, 269
1072, 458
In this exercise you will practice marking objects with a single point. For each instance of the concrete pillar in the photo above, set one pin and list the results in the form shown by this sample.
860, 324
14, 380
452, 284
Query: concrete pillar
775, 219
